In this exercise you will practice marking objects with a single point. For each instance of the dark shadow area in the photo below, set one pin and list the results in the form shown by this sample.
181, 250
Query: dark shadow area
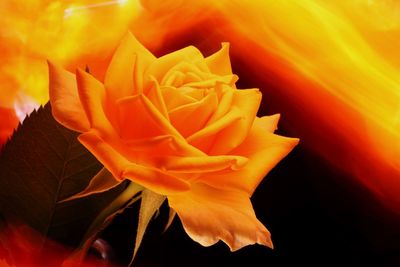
317, 217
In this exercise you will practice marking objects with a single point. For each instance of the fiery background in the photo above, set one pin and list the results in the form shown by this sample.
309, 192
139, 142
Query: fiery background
331, 68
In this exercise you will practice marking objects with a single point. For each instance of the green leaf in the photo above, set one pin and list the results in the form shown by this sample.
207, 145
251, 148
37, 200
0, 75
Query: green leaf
42, 164
150, 203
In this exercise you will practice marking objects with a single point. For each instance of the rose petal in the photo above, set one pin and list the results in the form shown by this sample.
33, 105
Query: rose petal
165, 145
201, 164
175, 78
174, 97
195, 93
163, 64
248, 102
225, 101
205, 138
209, 214
155, 96
153, 179
220, 63
263, 149
212, 82
92, 95
183, 73
140, 119
192, 77
65, 103
182, 117
126, 68
268, 123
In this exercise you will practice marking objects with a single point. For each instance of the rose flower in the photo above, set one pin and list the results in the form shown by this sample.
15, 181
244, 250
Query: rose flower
178, 126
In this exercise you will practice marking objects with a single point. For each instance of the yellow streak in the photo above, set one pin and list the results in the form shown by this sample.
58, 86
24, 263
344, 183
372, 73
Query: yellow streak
35, 30
333, 48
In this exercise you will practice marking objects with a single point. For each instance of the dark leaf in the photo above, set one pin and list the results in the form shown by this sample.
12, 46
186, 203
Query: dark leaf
151, 203
42, 164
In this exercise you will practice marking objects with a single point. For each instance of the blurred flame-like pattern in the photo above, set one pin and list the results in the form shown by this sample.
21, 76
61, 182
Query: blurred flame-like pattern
336, 70
69, 32
332, 67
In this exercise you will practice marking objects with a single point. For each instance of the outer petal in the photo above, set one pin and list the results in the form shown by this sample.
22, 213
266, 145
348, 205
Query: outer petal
65, 103
201, 164
92, 94
209, 214
205, 138
163, 145
127, 67
229, 131
153, 179
219, 63
263, 149
268, 123
248, 102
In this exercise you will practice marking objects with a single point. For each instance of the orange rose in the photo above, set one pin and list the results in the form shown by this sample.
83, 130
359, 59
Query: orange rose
178, 126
